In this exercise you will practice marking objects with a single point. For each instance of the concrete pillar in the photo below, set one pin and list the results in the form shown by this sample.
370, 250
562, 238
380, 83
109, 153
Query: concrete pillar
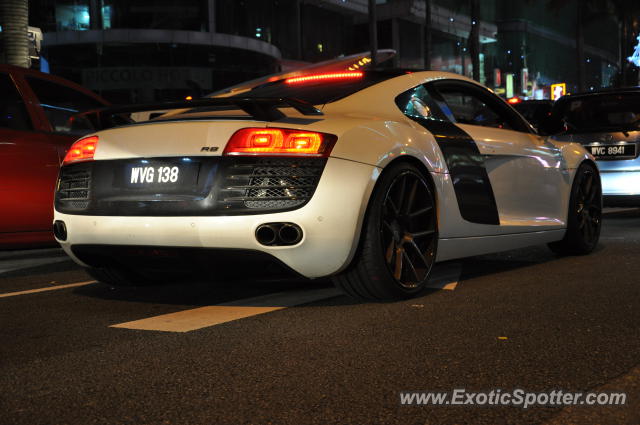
297, 25
211, 9
395, 42
95, 15
14, 18
373, 33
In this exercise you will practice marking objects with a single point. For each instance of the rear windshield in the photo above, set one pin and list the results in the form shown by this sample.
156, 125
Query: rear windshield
319, 92
600, 112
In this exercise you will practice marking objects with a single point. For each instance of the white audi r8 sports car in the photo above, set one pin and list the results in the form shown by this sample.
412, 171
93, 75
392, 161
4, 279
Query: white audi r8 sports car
368, 177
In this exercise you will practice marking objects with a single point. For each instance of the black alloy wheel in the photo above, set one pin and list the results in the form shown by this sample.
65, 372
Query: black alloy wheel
399, 238
408, 230
585, 214
589, 206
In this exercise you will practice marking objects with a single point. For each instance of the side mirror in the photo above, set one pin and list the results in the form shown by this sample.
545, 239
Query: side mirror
550, 124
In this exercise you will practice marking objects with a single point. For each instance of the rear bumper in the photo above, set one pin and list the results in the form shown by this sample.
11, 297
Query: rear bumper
621, 188
156, 261
330, 222
621, 200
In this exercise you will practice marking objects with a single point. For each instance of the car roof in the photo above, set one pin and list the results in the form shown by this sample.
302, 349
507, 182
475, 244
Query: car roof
534, 102
385, 91
610, 90
16, 70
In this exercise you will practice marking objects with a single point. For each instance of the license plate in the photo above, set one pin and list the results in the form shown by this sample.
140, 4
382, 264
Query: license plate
613, 151
159, 175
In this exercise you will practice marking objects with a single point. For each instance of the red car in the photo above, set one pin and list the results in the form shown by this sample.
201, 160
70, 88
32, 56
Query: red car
35, 133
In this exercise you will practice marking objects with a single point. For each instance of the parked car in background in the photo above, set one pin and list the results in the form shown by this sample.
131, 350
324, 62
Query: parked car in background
607, 123
535, 111
35, 133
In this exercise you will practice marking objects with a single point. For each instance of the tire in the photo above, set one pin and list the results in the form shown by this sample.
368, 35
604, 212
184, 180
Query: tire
585, 214
118, 277
398, 241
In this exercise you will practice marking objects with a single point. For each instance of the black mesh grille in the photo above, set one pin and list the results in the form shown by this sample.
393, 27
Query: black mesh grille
220, 186
74, 188
272, 183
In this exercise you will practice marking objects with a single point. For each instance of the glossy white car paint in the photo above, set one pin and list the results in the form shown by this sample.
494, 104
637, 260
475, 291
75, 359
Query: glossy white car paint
330, 219
531, 178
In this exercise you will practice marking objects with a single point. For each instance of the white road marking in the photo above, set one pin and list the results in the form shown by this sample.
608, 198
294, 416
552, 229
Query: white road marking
445, 276
203, 317
49, 288
25, 263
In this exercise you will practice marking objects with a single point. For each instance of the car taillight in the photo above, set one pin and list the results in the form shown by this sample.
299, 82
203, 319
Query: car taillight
279, 141
82, 150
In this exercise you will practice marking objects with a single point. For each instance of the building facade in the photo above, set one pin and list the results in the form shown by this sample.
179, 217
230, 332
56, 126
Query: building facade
146, 50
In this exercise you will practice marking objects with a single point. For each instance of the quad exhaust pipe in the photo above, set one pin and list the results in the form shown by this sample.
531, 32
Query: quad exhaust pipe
60, 230
267, 234
278, 234
290, 234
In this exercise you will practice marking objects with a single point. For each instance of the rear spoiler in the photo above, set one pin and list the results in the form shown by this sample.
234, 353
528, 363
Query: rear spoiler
260, 108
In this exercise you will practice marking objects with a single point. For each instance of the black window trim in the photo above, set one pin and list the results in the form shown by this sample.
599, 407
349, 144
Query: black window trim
28, 79
24, 101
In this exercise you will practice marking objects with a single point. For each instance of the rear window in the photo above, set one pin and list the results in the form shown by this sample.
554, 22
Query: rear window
600, 112
320, 91
13, 113
60, 103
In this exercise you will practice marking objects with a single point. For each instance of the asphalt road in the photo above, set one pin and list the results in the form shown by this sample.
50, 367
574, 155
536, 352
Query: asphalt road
527, 319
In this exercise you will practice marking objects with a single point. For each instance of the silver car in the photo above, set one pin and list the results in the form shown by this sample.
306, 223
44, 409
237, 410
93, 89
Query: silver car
607, 123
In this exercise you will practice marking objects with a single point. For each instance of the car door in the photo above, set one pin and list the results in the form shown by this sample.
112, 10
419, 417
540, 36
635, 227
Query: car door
523, 172
29, 165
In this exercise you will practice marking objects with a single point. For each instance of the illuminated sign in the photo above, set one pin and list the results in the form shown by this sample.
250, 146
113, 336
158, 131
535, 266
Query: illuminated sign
509, 78
524, 81
558, 90
635, 57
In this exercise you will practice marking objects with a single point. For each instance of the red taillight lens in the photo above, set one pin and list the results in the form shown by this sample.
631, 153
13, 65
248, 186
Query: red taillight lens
318, 77
279, 141
82, 150
514, 100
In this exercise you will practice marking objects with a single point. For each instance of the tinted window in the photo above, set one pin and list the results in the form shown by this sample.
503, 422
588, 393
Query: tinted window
602, 111
471, 110
157, 14
418, 103
535, 111
13, 113
468, 104
60, 103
